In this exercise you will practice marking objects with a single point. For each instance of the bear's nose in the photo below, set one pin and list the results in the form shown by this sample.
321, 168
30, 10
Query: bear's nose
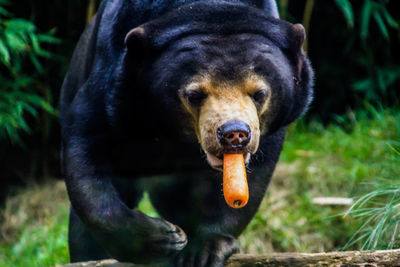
234, 134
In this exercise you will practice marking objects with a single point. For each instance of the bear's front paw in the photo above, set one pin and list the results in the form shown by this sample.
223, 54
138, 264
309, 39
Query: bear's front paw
210, 251
165, 239
148, 240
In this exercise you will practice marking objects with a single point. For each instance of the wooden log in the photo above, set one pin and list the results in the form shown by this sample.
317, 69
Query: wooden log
378, 258
332, 259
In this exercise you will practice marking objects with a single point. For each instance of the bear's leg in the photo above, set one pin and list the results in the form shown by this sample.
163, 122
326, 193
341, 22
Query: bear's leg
195, 202
82, 245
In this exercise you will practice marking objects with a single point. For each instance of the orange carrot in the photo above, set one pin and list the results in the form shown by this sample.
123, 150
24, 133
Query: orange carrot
236, 190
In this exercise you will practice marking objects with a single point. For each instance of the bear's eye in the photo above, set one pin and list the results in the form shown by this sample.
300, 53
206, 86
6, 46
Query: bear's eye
195, 98
259, 96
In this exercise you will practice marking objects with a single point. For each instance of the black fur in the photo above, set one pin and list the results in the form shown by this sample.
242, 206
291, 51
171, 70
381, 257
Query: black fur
122, 119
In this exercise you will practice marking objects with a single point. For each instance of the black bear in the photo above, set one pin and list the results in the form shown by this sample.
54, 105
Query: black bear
163, 89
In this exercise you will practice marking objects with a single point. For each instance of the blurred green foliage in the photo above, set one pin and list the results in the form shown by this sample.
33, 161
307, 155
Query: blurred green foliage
379, 83
353, 46
20, 45
37, 39
370, 9
379, 86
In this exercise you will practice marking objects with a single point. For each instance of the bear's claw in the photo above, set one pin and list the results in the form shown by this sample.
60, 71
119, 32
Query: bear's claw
210, 252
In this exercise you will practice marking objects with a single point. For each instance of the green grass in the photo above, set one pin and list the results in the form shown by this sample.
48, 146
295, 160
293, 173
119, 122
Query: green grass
317, 161
34, 226
352, 158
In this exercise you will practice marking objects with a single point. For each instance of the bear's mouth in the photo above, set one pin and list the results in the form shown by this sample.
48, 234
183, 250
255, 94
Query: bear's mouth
216, 161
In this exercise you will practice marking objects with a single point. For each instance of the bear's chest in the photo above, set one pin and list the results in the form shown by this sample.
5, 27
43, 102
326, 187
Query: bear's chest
154, 157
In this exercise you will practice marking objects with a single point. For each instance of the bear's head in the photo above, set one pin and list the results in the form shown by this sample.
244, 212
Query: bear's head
231, 71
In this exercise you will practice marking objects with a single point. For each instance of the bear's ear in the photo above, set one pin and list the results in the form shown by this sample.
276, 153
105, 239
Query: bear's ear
297, 36
137, 40
303, 74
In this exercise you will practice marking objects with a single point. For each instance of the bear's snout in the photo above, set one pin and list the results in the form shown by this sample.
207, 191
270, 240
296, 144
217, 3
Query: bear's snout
233, 135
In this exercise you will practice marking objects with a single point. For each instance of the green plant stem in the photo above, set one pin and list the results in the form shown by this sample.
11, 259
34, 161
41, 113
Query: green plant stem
90, 10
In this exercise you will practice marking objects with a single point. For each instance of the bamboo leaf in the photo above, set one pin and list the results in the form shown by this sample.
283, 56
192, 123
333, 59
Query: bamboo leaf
4, 12
362, 85
46, 38
5, 54
390, 20
36, 62
365, 19
381, 24
21, 25
35, 42
347, 10
14, 42
31, 110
